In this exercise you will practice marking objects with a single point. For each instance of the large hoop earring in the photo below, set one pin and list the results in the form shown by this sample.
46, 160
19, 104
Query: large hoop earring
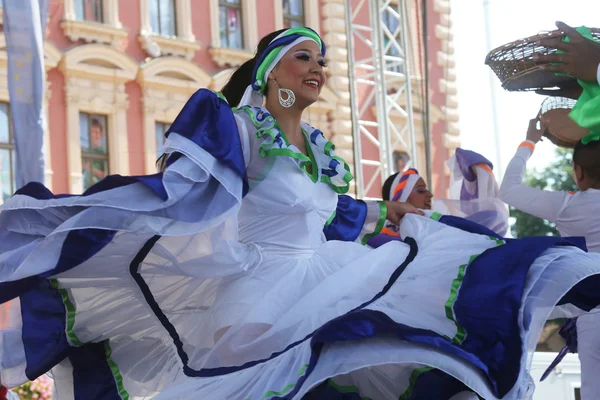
288, 100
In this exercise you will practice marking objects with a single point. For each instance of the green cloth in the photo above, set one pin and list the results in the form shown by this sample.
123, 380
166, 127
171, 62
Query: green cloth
586, 112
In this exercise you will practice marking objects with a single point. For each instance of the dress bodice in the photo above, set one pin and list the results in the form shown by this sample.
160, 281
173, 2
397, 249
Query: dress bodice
286, 207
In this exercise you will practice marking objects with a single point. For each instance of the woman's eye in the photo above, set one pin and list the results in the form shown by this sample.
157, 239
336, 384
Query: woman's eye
303, 57
322, 62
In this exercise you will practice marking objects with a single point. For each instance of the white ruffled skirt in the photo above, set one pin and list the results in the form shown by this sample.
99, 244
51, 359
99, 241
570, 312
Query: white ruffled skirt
147, 300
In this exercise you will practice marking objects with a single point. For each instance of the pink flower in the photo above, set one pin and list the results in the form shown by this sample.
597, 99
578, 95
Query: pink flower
40, 389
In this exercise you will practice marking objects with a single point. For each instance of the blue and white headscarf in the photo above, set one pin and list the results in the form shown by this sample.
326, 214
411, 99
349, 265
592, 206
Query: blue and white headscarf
284, 42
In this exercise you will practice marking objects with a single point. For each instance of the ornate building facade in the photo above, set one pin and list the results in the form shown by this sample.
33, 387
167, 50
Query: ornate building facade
119, 71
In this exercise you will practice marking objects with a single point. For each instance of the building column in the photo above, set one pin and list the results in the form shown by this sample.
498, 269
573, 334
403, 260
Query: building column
73, 142
118, 147
335, 35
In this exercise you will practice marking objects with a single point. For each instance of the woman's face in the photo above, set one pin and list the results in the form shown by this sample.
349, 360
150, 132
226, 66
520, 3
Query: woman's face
420, 197
301, 71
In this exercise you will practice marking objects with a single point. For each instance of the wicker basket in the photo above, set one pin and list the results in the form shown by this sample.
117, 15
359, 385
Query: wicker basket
561, 129
513, 63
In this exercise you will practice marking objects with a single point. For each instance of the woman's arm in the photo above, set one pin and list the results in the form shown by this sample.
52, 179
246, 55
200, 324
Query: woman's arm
540, 203
358, 220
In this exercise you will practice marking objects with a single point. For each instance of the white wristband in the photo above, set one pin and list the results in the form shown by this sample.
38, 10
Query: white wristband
598, 74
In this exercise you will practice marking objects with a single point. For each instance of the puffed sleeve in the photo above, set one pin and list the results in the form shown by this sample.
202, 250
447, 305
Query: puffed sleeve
356, 220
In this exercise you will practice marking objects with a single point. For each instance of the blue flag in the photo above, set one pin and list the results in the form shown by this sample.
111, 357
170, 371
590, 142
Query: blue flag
25, 29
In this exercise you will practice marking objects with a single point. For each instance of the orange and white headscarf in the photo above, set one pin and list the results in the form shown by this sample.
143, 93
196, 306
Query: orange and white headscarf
403, 185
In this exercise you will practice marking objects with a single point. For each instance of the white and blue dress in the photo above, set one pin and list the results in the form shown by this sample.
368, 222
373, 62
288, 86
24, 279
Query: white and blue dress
240, 273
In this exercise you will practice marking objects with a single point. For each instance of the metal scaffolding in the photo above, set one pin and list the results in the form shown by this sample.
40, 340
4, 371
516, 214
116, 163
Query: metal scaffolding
380, 79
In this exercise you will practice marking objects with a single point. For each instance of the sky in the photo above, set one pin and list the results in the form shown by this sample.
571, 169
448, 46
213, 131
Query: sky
508, 20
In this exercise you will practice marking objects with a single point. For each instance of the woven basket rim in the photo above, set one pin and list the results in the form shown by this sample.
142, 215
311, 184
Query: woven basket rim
521, 73
554, 100
558, 137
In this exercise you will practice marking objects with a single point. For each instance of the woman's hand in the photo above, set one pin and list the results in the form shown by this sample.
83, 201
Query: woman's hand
396, 210
533, 133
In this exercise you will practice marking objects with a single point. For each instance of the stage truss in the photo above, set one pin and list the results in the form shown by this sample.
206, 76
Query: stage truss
380, 87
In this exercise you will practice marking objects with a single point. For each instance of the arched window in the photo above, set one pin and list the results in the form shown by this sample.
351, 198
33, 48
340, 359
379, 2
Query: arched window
167, 83
95, 77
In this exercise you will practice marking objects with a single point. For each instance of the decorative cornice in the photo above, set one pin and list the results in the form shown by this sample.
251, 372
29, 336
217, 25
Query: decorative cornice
225, 57
52, 55
173, 74
93, 32
445, 60
168, 46
114, 66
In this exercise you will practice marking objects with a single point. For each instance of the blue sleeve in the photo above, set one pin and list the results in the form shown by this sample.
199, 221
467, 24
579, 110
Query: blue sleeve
349, 217
208, 120
355, 220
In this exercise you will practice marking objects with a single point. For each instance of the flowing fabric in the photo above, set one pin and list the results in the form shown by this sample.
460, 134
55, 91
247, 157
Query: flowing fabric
238, 273
473, 195
474, 192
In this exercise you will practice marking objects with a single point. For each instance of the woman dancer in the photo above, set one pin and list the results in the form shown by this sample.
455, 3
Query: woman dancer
473, 195
233, 274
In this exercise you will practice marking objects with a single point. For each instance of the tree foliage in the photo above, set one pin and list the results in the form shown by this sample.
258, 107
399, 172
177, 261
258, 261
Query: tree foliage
556, 176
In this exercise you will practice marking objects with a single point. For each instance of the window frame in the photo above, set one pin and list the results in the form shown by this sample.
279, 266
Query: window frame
182, 44
175, 27
101, 90
227, 6
311, 12
109, 31
102, 16
88, 155
228, 57
297, 18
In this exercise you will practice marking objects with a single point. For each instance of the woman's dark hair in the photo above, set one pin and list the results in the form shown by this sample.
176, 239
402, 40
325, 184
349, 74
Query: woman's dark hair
587, 156
387, 185
242, 77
